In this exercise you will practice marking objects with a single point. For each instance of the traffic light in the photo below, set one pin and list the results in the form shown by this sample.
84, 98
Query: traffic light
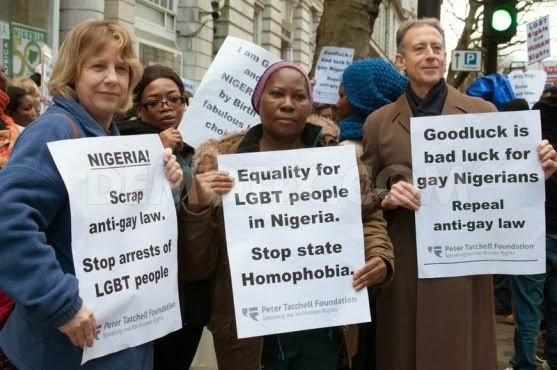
499, 20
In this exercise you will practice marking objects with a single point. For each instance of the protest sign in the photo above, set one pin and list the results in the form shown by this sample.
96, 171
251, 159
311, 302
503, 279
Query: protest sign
328, 73
538, 41
47, 64
123, 237
528, 85
294, 234
482, 194
222, 101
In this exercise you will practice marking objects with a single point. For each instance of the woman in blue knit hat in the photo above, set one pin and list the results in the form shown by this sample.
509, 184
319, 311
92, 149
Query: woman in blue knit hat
366, 86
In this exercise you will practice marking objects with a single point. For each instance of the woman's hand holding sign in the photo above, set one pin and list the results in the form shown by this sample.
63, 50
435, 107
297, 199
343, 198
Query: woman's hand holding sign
172, 169
373, 272
81, 328
207, 187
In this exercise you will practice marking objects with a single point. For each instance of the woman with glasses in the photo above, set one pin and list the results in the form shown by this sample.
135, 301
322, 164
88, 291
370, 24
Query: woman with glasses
159, 104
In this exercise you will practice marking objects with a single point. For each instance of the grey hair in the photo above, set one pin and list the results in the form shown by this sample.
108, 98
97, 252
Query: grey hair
405, 26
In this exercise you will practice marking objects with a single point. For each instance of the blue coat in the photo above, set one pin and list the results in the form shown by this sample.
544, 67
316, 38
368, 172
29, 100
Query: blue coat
36, 260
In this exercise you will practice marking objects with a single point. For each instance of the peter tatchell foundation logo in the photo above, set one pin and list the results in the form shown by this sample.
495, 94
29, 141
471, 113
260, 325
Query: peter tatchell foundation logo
251, 312
436, 250
98, 331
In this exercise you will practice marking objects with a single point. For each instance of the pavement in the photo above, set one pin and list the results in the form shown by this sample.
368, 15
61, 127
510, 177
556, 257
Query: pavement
205, 358
505, 346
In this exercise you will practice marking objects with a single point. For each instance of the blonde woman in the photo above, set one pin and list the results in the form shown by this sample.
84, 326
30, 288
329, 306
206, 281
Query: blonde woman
92, 80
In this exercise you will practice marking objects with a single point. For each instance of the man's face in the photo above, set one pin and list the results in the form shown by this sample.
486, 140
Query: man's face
423, 57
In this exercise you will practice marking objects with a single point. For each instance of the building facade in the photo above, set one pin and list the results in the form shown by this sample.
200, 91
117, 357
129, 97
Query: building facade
391, 14
183, 34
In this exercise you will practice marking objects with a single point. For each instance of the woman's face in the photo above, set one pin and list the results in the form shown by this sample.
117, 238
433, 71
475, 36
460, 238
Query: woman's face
25, 112
102, 84
37, 100
344, 108
162, 105
285, 105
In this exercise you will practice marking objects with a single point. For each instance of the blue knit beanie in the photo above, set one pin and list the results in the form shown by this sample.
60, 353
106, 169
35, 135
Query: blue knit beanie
369, 84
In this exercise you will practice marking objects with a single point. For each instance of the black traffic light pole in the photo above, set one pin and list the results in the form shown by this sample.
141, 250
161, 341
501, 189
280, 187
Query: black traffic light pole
490, 58
429, 8
491, 36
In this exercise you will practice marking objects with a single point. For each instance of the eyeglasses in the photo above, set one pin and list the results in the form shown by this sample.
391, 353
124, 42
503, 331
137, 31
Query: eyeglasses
173, 101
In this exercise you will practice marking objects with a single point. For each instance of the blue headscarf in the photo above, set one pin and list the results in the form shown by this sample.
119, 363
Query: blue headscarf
369, 84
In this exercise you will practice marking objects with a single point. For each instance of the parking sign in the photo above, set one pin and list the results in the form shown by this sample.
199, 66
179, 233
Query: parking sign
466, 60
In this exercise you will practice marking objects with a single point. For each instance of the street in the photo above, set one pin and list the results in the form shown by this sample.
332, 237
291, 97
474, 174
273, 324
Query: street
505, 347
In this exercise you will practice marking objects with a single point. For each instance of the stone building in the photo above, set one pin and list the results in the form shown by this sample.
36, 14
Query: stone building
183, 34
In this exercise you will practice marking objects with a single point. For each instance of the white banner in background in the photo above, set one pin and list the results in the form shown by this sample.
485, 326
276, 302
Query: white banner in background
222, 101
482, 194
294, 233
328, 73
528, 85
123, 237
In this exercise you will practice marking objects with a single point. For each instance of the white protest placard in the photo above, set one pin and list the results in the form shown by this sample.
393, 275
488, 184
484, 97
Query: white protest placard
538, 41
222, 101
47, 64
294, 233
528, 85
482, 194
124, 233
328, 73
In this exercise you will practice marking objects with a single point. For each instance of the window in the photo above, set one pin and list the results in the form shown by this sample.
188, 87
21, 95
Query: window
166, 4
257, 24
149, 54
159, 12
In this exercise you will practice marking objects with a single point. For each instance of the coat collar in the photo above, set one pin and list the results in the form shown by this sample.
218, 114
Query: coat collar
78, 113
403, 113
250, 142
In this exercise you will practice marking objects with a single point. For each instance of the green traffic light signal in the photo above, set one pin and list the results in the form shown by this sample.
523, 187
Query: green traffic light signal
500, 20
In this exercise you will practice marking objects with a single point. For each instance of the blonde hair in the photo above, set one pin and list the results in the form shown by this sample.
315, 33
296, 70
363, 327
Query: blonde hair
26, 84
85, 40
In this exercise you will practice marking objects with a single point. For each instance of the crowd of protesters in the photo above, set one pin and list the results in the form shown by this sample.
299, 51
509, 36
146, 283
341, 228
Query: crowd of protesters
100, 89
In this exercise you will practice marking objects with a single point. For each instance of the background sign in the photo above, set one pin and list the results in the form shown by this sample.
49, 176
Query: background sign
466, 60
538, 40
26, 44
528, 85
222, 102
328, 73
4, 43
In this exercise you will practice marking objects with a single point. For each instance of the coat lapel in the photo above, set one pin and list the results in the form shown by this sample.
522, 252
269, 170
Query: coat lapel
402, 112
